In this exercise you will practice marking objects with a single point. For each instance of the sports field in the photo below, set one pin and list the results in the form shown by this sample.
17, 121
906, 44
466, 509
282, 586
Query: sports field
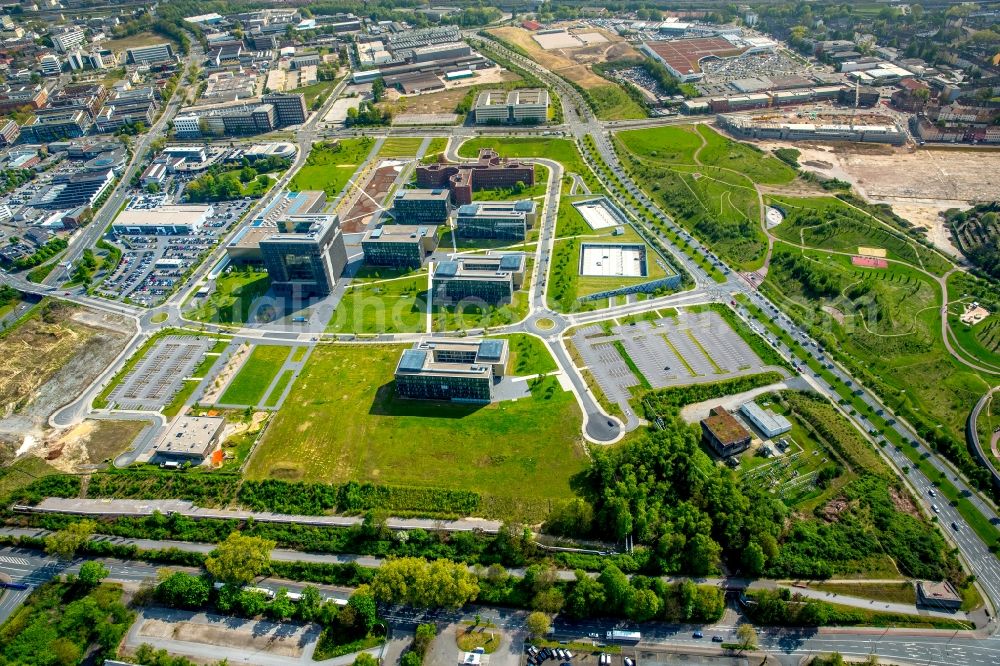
256, 375
330, 165
342, 421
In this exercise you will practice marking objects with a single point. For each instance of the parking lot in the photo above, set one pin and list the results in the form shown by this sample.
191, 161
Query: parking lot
689, 348
151, 266
158, 375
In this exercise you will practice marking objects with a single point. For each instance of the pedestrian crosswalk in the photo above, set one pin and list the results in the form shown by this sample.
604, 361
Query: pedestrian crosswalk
6, 559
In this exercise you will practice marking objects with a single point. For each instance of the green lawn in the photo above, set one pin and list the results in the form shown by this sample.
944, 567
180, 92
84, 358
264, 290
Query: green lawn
758, 166
400, 147
674, 143
536, 191
435, 148
342, 421
279, 388
528, 356
330, 165
563, 151
257, 373
230, 302
383, 306
316, 90
611, 102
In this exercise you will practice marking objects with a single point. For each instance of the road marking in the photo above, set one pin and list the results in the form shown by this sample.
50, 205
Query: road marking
13, 560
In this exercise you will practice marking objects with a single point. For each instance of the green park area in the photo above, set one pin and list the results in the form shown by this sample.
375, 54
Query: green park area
400, 147
566, 285
435, 149
231, 300
331, 164
536, 191
386, 301
342, 421
708, 183
250, 384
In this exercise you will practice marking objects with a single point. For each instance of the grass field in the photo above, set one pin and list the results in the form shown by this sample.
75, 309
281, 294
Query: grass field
235, 291
320, 89
257, 373
400, 147
279, 388
536, 191
611, 102
435, 148
901, 593
330, 165
528, 356
342, 421
138, 39
707, 182
395, 305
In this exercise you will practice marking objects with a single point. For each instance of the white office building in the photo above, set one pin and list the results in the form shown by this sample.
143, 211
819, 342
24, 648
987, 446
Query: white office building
68, 39
50, 65
187, 125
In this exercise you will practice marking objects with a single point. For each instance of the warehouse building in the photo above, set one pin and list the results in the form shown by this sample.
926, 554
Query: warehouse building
490, 279
169, 220
432, 206
517, 106
455, 370
189, 439
723, 433
496, 219
305, 256
399, 245
489, 171
769, 423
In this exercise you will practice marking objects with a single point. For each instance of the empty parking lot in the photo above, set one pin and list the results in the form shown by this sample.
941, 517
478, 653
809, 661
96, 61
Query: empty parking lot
686, 349
158, 375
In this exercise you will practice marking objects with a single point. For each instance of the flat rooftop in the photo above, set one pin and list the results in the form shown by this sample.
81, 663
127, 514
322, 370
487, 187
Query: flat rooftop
473, 267
495, 208
492, 98
529, 96
725, 427
169, 215
685, 55
190, 436
436, 194
399, 233
765, 418
423, 357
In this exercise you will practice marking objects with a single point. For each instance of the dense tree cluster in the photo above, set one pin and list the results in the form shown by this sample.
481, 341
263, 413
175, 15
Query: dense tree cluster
417, 582
816, 281
977, 231
367, 115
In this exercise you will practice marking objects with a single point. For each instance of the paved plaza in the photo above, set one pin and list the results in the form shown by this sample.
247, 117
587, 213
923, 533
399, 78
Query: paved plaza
158, 375
689, 348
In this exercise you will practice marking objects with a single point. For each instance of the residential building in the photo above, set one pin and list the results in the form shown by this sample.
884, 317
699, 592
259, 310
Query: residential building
723, 433
422, 206
19, 96
770, 424
189, 439
450, 369
68, 39
495, 219
49, 65
491, 279
489, 171
153, 54
399, 245
169, 220
306, 256
516, 106
290, 109
9, 132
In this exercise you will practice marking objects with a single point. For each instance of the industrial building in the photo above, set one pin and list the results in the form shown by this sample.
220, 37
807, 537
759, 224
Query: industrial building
517, 106
455, 370
491, 279
399, 245
496, 219
489, 171
723, 433
153, 54
850, 130
422, 206
170, 220
305, 256
189, 439
770, 424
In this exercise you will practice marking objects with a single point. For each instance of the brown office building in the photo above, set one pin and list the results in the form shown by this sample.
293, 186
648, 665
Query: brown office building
489, 172
724, 433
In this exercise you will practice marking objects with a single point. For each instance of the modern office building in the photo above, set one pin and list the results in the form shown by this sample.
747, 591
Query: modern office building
449, 369
305, 256
490, 279
53, 124
422, 206
189, 439
399, 245
289, 108
75, 189
68, 39
9, 132
517, 106
49, 65
187, 125
153, 54
489, 171
496, 219
170, 220
769, 423
723, 433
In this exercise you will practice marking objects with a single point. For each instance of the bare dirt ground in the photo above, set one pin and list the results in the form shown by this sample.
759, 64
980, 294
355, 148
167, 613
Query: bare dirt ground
572, 63
371, 197
285, 643
89, 443
49, 360
919, 183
